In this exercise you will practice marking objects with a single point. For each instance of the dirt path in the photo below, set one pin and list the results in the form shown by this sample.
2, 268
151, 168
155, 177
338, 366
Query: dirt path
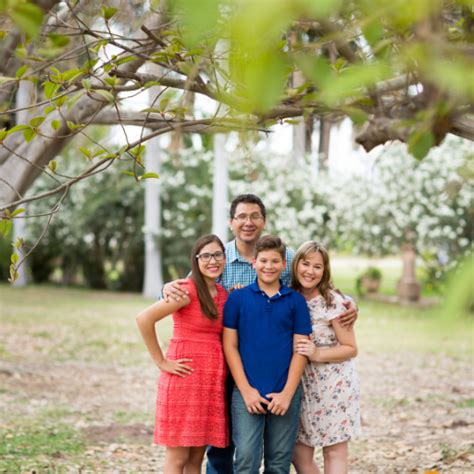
417, 412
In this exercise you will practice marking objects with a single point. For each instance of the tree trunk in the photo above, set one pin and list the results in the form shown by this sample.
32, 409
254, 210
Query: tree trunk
24, 97
324, 140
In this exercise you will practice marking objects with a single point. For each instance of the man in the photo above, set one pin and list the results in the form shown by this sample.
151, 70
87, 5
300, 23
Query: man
247, 222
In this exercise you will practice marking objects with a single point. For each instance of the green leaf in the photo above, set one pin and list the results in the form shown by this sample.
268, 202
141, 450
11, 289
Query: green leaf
21, 71
151, 110
50, 88
29, 133
164, 104
36, 121
358, 116
18, 128
353, 82
16, 212
56, 124
73, 126
86, 83
125, 60
322, 8
52, 165
49, 109
99, 152
198, 19
19, 243
60, 101
28, 17
85, 152
58, 40
108, 12
13, 274
111, 81
149, 175
108, 96
3, 134
128, 173
373, 31
420, 143
14, 258
318, 69
151, 84
6, 227
72, 74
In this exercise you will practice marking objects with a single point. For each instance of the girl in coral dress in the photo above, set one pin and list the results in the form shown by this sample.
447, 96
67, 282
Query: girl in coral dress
190, 406
330, 414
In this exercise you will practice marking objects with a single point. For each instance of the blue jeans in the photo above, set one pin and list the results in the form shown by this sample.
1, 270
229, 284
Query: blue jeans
221, 460
268, 435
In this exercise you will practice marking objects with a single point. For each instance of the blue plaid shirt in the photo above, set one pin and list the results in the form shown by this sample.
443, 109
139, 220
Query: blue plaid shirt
239, 271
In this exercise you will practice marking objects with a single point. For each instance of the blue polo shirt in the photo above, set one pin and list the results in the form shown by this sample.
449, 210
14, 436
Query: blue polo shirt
265, 330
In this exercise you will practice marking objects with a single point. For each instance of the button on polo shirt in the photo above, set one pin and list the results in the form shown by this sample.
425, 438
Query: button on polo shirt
266, 326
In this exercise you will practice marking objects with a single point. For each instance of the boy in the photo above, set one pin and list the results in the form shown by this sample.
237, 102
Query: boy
261, 323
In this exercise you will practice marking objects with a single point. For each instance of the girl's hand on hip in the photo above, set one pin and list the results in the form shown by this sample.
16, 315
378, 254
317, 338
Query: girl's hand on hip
176, 367
253, 401
279, 404
307, 348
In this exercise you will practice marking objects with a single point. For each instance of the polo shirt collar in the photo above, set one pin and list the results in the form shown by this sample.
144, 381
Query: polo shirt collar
284, 290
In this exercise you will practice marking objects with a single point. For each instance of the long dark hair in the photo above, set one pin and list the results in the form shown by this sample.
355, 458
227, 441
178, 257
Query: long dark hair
205, 299
325, 285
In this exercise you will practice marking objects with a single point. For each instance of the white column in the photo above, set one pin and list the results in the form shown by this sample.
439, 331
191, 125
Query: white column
153, 279
219, 188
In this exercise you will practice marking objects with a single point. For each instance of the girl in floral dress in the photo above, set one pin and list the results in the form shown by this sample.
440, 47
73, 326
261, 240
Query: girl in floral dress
330, 414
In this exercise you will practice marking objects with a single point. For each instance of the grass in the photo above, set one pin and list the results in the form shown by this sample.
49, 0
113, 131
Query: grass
75, 324
469, 403
29, 445
56, 324
98, 326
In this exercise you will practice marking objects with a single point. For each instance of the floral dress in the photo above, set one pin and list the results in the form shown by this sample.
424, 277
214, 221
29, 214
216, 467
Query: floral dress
330, 411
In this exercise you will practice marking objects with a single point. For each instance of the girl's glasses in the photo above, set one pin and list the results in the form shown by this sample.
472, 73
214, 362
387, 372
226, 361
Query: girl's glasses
206, 257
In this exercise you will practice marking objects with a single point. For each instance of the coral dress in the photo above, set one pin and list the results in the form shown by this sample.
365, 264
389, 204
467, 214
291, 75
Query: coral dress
330, 411
191, 410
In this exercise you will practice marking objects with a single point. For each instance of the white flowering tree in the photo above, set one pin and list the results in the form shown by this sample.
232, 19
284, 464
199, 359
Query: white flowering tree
397, 67
430, 201
369, 215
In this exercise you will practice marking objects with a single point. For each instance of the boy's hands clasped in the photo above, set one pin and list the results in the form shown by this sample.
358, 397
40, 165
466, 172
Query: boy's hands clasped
279, 404
254, 402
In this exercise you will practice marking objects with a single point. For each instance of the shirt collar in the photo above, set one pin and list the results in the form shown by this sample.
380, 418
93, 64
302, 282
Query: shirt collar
284, 290
233, 254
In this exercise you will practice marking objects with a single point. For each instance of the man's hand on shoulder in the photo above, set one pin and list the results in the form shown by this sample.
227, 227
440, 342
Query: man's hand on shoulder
175, 290
350, 315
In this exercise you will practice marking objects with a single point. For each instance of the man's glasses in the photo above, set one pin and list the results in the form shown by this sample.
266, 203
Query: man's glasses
206, 257
242, 218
